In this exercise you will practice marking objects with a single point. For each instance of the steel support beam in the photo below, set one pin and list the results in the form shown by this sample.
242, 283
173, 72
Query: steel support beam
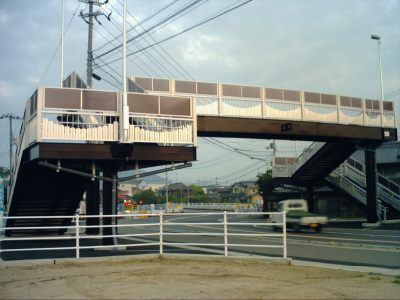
93, 206
310, 199
107, 205
370, 170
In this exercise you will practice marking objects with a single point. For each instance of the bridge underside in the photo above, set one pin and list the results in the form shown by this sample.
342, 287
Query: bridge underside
123, 157
43, 191
289, 130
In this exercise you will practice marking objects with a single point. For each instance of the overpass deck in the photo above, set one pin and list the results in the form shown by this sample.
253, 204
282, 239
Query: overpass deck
98, 131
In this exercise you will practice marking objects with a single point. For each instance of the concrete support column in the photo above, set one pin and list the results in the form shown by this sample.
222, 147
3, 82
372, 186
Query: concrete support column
93, 206
310, 199
370, 173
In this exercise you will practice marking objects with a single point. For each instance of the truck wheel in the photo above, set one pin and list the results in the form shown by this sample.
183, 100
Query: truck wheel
296, 227
318, 229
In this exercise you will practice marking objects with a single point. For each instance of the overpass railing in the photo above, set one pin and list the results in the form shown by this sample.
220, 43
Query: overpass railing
71, 115
241, 101
159, 234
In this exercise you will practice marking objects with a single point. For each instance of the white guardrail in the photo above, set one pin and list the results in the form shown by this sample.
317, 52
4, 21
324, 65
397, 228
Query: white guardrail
238, 207
74, 232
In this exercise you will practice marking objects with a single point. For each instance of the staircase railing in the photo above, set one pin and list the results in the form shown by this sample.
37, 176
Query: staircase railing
289, 170
352, 180
349, 186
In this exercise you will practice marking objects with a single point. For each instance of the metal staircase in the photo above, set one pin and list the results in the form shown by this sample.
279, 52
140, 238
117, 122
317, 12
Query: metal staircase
317, 164
350, 177
314, 164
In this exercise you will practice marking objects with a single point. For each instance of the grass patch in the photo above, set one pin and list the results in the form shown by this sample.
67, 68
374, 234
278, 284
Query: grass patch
360, 276
396, 280
375, 278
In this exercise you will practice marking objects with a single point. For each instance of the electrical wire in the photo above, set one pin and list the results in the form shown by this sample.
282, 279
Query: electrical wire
144, 21
151, 28
186, 30
162, 48
55, 52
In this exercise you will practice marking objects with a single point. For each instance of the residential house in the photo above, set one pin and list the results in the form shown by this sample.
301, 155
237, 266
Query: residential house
176, 189
154, 187
246, 192
128, 188
220, 193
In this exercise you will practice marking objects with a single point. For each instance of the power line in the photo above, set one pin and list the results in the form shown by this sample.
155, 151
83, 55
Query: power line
55, 52
162, 48
151, 28
145, 20
186, 30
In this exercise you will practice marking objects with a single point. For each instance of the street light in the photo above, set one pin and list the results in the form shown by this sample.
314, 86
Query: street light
377, 37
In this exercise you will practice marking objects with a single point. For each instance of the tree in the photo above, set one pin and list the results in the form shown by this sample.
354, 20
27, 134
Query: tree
171, 198
197, 190
4, 171
266, 187
148, 197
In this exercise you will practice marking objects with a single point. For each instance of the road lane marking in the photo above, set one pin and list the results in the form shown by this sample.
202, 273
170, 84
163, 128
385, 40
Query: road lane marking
291, 235
295, 235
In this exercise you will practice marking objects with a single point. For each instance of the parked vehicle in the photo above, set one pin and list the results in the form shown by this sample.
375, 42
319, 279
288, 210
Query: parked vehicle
298, 217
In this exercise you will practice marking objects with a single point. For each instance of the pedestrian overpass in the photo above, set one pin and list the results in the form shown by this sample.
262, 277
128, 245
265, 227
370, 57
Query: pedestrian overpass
71, 134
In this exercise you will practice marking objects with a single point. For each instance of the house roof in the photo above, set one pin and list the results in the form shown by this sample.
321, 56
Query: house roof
175, 187
246, 184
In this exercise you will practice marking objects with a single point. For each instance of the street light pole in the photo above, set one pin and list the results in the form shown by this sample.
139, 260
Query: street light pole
377, 37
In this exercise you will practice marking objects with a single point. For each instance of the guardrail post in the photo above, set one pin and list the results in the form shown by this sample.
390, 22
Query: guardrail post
284, 235
225, 233
161, 233
77, 235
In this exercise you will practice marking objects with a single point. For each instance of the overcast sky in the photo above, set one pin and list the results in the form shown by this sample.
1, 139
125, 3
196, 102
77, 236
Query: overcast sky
320, 46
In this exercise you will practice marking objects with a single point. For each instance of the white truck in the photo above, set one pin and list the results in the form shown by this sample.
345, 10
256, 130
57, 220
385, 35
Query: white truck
298, 217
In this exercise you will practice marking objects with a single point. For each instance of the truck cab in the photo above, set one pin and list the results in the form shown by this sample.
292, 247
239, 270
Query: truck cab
298, 217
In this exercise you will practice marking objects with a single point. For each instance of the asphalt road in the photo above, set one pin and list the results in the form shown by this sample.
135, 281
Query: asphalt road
345, 246
366, 247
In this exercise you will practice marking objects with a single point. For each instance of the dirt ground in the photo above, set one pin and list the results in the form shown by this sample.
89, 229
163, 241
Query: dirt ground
187, 278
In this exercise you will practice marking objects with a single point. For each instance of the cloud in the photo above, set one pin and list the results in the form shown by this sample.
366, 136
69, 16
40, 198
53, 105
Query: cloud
3, 88
4, 17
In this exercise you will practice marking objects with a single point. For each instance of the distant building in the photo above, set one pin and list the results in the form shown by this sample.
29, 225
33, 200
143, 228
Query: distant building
387, 160
154, 187
176, 189
220, 193
128, 188
246, 192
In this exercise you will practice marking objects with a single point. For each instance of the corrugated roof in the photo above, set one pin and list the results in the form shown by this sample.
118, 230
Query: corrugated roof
388, 153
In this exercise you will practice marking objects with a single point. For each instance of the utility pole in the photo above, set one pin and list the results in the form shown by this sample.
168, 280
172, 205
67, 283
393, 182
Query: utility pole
10, 117
90, 16
90, 49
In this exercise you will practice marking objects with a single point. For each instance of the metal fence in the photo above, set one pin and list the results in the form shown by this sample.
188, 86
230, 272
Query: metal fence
74, 232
